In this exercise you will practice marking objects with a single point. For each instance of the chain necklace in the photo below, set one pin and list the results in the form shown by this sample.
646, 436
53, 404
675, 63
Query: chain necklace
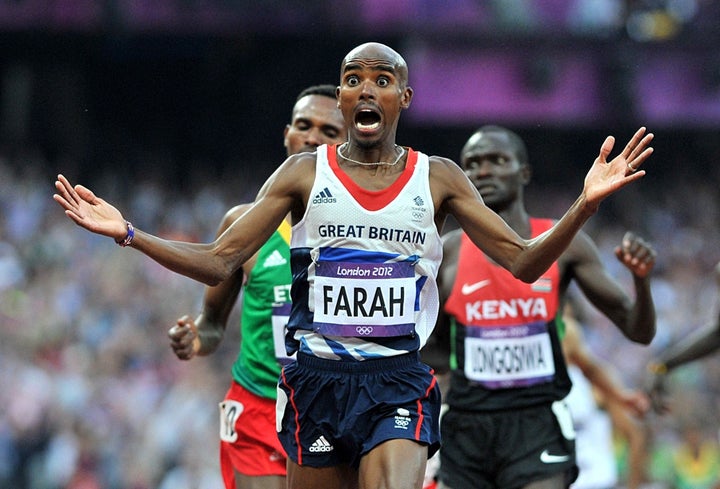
375, 163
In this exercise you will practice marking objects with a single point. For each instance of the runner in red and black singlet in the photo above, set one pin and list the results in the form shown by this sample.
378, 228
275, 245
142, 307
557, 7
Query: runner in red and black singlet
507, 426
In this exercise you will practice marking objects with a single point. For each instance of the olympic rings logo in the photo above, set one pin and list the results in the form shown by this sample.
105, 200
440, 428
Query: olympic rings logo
364, 330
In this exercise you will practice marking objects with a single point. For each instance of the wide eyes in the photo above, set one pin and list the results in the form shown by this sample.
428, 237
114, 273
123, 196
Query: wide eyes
354, 80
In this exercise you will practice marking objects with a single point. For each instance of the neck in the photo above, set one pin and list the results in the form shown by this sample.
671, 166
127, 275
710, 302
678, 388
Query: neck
517, 218
370, 157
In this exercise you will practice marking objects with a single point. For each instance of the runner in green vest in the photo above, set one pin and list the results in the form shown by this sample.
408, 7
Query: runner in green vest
251, 456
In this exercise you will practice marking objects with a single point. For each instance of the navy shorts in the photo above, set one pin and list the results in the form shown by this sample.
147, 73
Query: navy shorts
332, 413
507, 449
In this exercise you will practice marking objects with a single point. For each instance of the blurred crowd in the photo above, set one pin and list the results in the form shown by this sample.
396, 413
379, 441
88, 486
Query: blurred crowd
93, 397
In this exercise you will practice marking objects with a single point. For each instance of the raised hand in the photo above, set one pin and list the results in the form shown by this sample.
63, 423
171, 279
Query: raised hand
89, 211
184, 338
636, 254
606, 177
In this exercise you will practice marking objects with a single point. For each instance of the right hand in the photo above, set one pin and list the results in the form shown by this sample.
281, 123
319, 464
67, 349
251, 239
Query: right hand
89, 211
184, 338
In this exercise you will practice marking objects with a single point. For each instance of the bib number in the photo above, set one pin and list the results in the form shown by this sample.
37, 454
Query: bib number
517, 356
364, 299
230, 411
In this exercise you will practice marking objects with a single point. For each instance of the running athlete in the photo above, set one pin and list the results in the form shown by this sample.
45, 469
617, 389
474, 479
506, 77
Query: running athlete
697, 346
251, 456
602, 407
358, 408
507, 426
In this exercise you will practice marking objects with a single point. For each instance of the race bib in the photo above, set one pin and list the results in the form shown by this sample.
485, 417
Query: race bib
506, 357
280, 317
230, 411
364, 299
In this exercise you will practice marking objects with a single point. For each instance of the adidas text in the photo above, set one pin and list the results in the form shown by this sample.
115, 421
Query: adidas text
321, 445
324, 197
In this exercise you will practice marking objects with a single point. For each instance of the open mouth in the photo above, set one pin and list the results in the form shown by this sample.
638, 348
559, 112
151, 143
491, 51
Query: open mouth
367, 120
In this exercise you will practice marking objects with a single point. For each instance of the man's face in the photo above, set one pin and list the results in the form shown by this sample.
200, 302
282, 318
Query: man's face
372, 93
490, 161
316, 120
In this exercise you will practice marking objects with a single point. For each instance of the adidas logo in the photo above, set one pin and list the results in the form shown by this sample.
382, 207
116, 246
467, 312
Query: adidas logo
274, 260
321, 445
324, 197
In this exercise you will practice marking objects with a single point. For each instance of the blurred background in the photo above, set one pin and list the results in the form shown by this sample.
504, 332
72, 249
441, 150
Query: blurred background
174, 111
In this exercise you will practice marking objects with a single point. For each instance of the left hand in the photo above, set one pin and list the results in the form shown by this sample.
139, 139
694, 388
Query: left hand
636, 254
606, 177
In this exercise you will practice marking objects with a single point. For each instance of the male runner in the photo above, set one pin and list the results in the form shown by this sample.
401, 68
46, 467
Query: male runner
601, 407
251, 456
507, 426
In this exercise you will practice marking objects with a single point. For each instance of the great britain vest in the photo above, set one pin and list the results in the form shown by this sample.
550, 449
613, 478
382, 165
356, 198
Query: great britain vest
364, 265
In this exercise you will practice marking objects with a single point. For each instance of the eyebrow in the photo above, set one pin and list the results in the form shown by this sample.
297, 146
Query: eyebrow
382, 67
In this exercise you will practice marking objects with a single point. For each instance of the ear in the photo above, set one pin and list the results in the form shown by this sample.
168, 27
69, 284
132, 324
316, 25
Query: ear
285, 133
406, 98
525, 174
337, 95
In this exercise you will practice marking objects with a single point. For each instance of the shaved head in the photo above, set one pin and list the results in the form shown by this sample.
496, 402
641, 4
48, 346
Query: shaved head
380, 54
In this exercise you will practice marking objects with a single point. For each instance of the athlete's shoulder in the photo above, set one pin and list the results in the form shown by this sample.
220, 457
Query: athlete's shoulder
301, 159
441, 162
296, 173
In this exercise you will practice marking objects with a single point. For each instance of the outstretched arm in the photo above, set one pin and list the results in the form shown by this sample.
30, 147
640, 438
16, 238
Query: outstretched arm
696, 346
528, 259
213, 262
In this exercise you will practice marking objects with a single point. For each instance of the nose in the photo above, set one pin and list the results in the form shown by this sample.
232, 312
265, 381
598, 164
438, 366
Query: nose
315, 137
367, 90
